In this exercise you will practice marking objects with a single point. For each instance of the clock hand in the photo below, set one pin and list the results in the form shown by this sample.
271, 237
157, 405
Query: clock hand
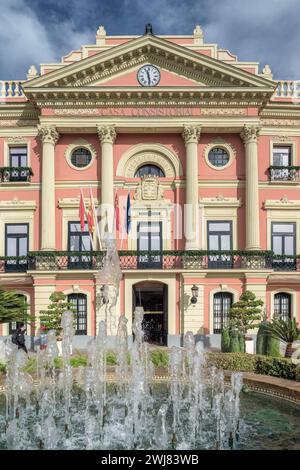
148, 75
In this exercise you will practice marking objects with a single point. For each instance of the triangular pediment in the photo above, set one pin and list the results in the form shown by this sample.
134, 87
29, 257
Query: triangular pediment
107, 68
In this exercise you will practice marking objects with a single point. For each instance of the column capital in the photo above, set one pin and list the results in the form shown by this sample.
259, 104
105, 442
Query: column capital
191, 134
107, 134
250, 133
48, 134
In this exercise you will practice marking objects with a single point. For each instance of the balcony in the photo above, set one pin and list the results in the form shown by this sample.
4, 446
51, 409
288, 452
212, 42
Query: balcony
163, 260
284, 173
20, 174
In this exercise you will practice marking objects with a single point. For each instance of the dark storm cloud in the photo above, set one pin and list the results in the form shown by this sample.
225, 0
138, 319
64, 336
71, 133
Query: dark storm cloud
35, 31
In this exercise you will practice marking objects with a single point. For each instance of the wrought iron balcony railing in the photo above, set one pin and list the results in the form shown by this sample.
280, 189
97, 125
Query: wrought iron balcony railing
284, 173
9, 174
165, 260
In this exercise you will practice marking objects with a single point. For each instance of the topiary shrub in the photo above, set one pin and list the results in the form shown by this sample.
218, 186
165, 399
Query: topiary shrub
235, 345
225, 340
242, 343
267, 344
261, 339
2, 368
232, 361
111, 358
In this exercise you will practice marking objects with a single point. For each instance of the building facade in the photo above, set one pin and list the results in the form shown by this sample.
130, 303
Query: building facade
207, 147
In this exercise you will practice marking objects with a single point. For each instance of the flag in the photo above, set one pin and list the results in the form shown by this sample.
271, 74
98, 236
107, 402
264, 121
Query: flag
90, 215
128, 215
117, 213
81, 212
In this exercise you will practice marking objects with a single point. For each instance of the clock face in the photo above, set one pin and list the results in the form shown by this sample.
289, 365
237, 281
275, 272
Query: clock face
148, 75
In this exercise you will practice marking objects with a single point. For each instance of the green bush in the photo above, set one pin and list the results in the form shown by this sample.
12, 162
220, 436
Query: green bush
232, 361
225, 340
261, 339
159, 358
30, 366
2, 368
242, 343
272, 346
80, 360
111, 358
273, 366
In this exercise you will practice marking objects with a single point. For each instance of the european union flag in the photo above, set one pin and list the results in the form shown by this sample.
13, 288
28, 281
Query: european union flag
128, 214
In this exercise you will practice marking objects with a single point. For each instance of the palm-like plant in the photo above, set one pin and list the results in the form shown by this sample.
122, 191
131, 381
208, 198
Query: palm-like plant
286, 331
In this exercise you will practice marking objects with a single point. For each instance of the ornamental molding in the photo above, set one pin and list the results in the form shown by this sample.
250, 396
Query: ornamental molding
17, 139
281, 122
191, 134
80, 143
250, 134
17, 123
283, 203
220, 201
149, 189
77, 112
48, 134
147, 153
107, 134
17, 204
71, 203
224, 111
282, 138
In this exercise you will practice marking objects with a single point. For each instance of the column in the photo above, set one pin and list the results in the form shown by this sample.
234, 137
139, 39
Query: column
49, 137
250, 137
107, 136
191, 136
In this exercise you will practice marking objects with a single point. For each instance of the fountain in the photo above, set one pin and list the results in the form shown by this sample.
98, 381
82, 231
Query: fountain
85, 408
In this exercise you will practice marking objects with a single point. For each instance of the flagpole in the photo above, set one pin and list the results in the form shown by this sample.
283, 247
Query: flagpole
95, 220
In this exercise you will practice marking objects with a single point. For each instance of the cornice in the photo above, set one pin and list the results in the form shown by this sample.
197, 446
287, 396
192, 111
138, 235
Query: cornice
73, 203
141, 96
282, 204
16, 204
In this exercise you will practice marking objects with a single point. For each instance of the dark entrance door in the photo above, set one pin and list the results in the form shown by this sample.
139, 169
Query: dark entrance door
154, 300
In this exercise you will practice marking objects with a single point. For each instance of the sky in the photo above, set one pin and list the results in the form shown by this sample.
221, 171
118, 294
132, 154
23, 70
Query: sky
35, 31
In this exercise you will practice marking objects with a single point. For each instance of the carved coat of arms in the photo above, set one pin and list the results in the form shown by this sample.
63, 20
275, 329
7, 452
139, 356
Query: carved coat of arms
149, 189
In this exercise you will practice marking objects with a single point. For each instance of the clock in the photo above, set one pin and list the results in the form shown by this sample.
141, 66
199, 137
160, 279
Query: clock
148, 75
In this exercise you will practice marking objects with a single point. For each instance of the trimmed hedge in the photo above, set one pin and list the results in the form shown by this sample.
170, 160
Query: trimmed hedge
2, 368
273, 366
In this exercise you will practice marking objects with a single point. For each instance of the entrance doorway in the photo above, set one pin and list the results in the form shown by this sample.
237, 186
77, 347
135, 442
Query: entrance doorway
153, 297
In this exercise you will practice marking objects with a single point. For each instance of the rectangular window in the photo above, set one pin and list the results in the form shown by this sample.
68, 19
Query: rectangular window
149, 239
79, 241
219, 238
282, 157
283, 245
79, 302
18, 156
16, 245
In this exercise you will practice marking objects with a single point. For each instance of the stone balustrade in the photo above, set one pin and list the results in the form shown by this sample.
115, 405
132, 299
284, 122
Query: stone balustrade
287, 89
11, 89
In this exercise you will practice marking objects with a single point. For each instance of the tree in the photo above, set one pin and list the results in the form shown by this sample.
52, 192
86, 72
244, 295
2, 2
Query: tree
246, 313
13, 307
51, 318
286, 331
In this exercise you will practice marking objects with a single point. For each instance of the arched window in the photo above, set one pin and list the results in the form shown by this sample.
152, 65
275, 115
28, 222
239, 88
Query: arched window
14, 325
282, 306
221, 308
149, 170
80, 303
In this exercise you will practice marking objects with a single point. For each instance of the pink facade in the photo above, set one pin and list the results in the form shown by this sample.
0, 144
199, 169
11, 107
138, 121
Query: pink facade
237, 132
